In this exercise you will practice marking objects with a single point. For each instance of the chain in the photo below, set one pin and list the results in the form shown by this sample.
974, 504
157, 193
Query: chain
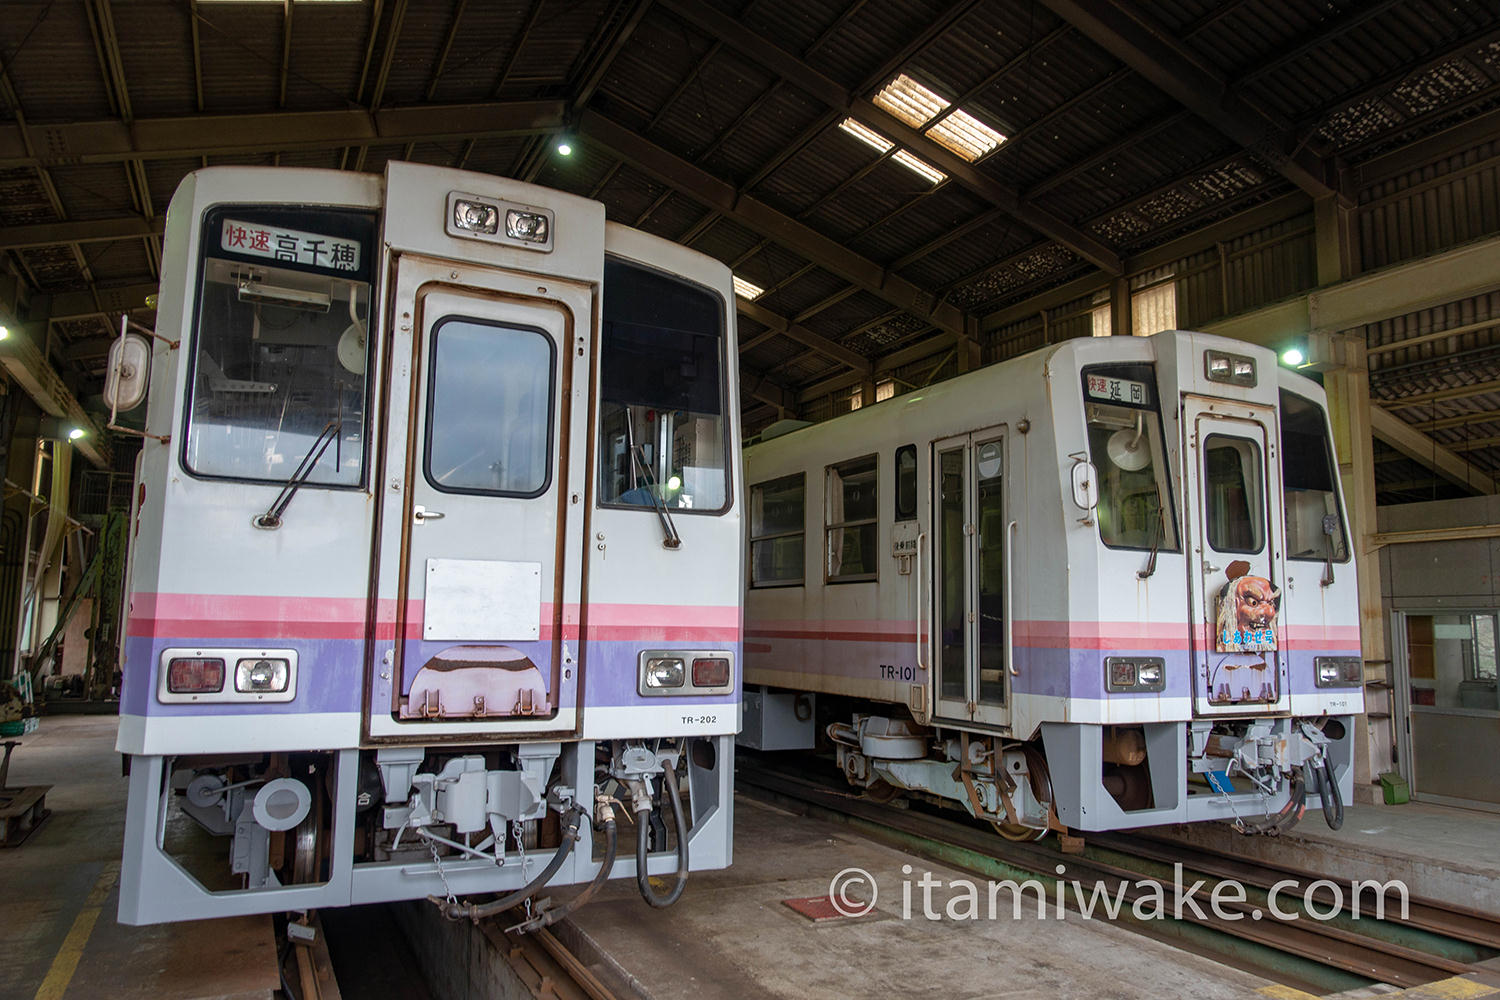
438, 862
520, 833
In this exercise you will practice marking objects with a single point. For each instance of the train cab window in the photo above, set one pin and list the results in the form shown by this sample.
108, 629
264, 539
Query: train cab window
489, 416
1233, 499
662, 433
906, 482
851, 517
280, 351
777, 532
1125, 445
1314, 523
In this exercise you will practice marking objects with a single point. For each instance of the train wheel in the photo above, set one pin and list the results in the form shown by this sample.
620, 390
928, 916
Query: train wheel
881, 791
1019, 832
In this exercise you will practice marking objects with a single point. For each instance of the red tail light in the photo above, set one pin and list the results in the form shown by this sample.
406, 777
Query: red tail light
197, 675
710, 672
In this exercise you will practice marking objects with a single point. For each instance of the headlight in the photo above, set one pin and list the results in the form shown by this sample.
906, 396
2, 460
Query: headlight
261, 675
1338, 671
664, 672
1233, 369
1135, 673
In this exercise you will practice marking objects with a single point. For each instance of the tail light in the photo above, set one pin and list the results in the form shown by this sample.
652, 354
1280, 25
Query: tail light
195, 675
710, 671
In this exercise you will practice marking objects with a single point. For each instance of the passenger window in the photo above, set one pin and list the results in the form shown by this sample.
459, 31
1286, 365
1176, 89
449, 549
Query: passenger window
662, 434
777, 527
489, 423
851, 519
906, 482
1232, 494
1308, 483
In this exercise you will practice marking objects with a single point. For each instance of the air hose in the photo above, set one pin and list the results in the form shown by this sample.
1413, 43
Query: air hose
476, 912
1333, 803
643, 831
605, 815
1296, 800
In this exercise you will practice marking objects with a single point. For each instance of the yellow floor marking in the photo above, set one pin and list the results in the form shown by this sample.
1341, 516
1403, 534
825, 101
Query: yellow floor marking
1451, 989
1280, 992
65, 963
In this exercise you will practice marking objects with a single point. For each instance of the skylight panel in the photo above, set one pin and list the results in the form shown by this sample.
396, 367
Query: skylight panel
919, 167
966, 135
866, 135
746, 290
911, 102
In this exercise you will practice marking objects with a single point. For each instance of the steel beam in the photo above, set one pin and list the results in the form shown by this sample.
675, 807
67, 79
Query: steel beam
114, 141
724, 28
807, 338
1424, 450
48, 234
1171, 67
723, 197
22, 360
91, 302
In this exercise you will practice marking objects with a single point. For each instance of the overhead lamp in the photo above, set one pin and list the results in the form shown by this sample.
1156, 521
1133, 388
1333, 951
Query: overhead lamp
1292, 357
564, 148
4, 332
74, 433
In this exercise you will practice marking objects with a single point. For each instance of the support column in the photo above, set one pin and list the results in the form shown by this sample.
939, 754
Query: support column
1121, 323
1348, 390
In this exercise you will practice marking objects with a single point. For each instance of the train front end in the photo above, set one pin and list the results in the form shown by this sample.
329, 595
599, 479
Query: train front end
1213, 665
427, 595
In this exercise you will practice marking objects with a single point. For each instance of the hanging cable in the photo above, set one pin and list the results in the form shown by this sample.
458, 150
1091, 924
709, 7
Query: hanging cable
643, 832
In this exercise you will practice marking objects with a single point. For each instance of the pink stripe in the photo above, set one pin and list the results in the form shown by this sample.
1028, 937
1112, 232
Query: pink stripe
644, 615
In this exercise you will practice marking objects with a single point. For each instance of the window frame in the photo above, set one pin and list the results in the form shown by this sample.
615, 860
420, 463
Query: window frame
1251, 504
752, 537
1333, 467
367, 274
726, 403
829, 527
433, 336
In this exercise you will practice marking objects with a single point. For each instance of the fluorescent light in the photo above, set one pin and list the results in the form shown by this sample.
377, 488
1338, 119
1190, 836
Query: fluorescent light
911, 102
866, 135
966, 135
919, 167
746, 290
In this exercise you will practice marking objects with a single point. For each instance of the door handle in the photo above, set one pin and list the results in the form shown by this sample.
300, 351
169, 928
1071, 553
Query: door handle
421, 514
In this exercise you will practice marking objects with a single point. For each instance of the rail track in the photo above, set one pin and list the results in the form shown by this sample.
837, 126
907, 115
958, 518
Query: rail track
1335, 950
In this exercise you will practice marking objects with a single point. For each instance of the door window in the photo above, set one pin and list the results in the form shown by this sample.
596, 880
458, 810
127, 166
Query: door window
951, 589
489, 418
990, 518
1233, 497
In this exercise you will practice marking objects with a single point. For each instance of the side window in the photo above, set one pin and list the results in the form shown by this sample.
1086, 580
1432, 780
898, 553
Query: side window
1232, 494
1314, 523
489, 416
851, 516
906, 482
777, 526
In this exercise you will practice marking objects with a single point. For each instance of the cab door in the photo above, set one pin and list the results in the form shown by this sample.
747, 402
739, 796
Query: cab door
1237, 575
479, 560
972, 535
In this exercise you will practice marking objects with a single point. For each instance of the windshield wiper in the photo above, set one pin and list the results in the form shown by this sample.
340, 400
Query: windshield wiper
670, 538
1161, 529
271, 519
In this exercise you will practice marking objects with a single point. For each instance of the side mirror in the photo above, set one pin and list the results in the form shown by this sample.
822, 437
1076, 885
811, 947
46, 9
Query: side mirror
1085, 485
129, 372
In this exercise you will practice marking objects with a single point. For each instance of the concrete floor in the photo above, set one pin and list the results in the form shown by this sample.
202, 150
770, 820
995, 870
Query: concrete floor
1441, 853
60, 891
731, 937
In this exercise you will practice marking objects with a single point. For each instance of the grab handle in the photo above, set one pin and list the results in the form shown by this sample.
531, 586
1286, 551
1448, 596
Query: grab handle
920, 604
1010, 624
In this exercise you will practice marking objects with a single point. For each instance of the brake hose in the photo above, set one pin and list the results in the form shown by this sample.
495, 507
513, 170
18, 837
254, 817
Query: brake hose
1333, 803
457, 911
605, 816
642, 827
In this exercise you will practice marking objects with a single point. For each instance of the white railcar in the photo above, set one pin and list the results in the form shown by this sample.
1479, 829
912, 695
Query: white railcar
1106, 584
435, 501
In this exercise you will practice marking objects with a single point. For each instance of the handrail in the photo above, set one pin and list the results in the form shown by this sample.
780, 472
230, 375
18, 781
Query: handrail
1010, 601
920, 604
